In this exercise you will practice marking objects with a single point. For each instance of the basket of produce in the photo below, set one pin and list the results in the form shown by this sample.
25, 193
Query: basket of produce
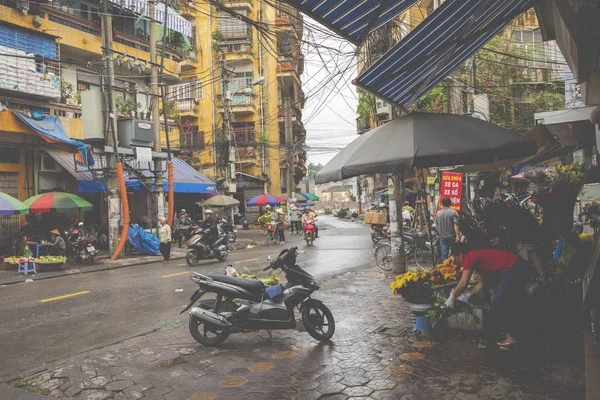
44, 260
16, 260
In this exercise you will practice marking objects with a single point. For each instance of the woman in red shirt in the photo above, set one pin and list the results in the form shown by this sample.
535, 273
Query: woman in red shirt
494, 265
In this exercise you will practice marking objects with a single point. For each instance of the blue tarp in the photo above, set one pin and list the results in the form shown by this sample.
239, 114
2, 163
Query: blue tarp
142, 241
50, 128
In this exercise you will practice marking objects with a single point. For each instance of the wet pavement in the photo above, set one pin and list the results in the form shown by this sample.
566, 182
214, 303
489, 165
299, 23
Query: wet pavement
53, 319
374, 354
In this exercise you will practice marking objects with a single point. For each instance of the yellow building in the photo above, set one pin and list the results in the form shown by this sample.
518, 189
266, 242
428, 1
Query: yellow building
231, 48
51, 65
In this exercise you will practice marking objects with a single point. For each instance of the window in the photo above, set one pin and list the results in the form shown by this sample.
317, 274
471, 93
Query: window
243, 132
186, 91
193, 139
84, 11
231, 27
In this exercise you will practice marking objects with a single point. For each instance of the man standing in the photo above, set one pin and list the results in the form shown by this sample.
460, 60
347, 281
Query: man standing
446, 223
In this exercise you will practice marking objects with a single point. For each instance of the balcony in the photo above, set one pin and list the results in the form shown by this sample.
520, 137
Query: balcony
190, 60
243, 136
289, 68
81, 37
243, 104
70, 118
289, 18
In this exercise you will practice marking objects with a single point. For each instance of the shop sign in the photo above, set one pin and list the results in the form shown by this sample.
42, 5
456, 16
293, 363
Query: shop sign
390, 186
451, 187
431, 180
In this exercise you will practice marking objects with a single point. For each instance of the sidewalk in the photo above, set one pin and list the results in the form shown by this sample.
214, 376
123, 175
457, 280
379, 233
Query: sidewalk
9, 276
374, 354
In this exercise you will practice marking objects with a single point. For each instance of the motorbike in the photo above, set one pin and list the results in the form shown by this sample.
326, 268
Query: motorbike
198, 250
380, 232
242, 220
83, 250
229, 230
245, 305
309, 232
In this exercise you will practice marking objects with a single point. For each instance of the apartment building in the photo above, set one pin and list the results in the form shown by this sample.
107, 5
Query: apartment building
53, 85
252, 159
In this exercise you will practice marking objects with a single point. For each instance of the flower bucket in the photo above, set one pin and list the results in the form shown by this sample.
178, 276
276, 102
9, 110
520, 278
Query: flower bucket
420, 322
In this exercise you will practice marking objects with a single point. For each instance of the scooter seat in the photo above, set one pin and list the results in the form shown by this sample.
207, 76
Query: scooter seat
254, 286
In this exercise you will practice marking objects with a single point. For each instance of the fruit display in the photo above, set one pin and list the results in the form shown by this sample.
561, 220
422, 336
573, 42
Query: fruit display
51, 260
14, 260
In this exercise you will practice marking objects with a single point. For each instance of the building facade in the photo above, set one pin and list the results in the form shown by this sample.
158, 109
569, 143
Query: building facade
52, 70
232, 106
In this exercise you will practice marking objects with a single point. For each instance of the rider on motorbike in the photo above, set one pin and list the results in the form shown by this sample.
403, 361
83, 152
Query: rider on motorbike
310, 216
209, 225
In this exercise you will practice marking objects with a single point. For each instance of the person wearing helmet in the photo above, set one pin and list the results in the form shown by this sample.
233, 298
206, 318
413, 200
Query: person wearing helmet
209, 225
310, 216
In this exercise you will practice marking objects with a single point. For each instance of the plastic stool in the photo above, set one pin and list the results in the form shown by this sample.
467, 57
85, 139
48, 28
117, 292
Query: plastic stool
24, 267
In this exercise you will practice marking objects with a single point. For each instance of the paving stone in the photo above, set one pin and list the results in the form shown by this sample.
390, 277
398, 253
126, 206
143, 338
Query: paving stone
95, 395
74, 389
118, 385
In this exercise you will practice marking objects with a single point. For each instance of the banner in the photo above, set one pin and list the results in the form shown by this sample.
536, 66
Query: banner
451, 186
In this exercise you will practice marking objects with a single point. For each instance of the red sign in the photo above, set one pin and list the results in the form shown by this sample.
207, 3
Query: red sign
451, 187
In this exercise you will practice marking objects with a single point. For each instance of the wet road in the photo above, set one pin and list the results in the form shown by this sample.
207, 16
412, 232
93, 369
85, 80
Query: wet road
54, 319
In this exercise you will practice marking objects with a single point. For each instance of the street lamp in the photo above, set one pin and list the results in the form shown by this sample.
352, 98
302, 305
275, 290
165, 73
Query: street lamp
258, 81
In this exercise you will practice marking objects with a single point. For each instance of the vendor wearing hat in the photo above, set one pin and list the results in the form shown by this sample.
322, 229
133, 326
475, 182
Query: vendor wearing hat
58, 242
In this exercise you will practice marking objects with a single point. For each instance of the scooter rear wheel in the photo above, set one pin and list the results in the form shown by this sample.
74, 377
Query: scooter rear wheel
205, 333
318, 321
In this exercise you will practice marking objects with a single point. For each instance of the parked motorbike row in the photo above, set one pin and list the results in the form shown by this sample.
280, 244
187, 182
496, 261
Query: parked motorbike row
81, 243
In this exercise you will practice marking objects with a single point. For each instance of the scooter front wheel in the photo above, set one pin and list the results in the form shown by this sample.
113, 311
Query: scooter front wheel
318, 321
309, 239
192, 258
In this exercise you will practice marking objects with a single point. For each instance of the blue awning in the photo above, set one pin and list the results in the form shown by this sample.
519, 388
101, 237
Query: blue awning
352, 19
186, 178
50, 129
436, 47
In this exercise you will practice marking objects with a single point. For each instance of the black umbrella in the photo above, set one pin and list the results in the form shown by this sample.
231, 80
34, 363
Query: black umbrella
425, 140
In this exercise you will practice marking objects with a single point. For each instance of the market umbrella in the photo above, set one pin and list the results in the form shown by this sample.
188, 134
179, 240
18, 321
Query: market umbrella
425, 140
11, 206
57, 201
220, 201
297, 199
265, 199
310, 196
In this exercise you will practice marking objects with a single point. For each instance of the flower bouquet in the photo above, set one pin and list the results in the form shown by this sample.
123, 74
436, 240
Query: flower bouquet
445, 274
414, 286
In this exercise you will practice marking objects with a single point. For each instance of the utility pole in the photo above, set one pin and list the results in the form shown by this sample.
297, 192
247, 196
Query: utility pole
289, 142
226, 119
158, 172
471, 86
114, 202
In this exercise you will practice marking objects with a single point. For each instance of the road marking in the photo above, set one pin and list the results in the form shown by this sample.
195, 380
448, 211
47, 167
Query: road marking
252, 259
177, 274
64, 297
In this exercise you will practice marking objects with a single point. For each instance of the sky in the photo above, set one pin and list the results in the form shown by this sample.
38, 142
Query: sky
329, 115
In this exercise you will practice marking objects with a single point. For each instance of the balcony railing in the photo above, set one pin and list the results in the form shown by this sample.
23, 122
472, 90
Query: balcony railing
243, 99
243, 136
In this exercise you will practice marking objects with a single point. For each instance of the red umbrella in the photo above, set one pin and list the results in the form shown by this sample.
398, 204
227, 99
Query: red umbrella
265, 199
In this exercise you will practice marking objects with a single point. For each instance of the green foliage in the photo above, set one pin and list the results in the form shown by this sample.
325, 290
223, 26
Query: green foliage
313, 169
435, 101
66, 89
126, 106
366, 105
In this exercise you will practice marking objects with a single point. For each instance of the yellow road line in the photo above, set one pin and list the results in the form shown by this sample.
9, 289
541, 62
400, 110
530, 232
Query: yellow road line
64, 297
252, 259
177, 274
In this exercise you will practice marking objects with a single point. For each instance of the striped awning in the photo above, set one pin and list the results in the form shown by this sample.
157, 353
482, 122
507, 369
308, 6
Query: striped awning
352, 19
436, 47
176, 22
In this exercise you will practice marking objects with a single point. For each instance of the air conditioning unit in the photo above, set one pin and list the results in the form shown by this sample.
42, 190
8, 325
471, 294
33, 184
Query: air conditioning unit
383, 107
49, 164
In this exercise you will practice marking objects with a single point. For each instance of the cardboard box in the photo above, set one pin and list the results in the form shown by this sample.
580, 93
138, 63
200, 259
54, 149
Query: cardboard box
377, 218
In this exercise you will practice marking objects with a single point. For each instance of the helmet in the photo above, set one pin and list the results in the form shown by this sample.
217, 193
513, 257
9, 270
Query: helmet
183, 210
80, 225
268, 207
381, 204
208, 212
406, 203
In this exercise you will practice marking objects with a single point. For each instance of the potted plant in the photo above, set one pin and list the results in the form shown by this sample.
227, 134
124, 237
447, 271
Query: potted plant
127, 107
416, 289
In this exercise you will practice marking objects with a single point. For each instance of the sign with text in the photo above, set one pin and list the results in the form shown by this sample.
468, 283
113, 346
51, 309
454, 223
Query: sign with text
451, 186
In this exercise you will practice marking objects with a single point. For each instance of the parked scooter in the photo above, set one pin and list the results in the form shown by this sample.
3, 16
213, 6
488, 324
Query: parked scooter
228, 229
245, 305
242, 220
198, 250
83, 250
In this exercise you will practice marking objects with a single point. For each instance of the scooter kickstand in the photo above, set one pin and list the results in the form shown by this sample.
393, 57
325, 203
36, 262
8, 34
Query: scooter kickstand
270, 334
